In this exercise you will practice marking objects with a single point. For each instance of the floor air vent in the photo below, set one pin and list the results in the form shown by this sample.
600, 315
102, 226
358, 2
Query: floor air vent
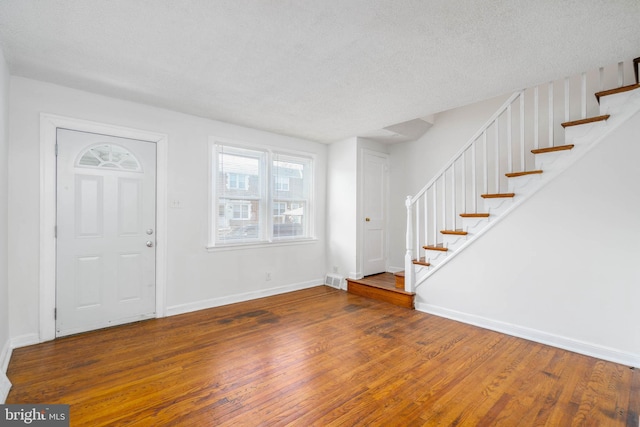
333, 280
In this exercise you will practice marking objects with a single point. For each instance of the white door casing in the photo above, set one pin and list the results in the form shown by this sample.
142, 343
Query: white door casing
374, 203
49, 123
105, 269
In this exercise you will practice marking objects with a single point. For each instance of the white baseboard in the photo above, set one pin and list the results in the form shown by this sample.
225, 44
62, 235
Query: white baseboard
247, 296
5, 356
392, 269
565, 343
5, 384
25, 340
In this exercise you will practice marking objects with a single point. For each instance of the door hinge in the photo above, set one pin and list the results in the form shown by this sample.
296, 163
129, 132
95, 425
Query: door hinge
55, 313
56, 149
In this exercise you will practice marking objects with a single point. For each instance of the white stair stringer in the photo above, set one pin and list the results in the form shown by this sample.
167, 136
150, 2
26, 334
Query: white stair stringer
621, 107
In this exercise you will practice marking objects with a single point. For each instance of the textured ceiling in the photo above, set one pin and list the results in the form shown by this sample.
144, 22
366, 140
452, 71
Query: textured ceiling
323, 69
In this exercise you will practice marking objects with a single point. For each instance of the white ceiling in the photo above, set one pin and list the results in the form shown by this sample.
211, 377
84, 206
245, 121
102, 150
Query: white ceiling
323, 69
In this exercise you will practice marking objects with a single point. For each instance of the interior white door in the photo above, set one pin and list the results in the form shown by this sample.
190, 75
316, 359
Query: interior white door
374, 173
106, 210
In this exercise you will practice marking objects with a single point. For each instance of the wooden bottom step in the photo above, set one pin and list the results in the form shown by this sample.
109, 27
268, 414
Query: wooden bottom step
381, 287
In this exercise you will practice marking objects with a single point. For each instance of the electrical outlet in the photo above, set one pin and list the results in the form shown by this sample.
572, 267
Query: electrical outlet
335, 268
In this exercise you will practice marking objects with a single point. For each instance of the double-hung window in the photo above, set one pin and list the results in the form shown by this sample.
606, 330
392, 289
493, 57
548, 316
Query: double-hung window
259, 195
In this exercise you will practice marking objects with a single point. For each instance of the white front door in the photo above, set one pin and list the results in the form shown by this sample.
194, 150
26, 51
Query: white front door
106, 210
374, 174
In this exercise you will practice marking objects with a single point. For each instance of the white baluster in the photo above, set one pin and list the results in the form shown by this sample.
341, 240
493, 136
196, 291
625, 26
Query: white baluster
583, 96
497, 165
426, 228
601, 80
435, 213
522, 165
444, 201
474, 183
551, 119
509, 148
417, 230
453, 195
567, 109
536, 121
486, 162
463, 188
620, 74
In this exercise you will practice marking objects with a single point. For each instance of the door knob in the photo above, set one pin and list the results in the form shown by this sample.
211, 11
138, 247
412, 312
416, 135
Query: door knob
149, 244
367, 219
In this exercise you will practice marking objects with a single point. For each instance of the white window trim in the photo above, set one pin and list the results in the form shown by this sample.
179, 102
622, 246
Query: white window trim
270, 151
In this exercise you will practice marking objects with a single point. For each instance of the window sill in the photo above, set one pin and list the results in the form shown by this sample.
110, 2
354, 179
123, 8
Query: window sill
264, 244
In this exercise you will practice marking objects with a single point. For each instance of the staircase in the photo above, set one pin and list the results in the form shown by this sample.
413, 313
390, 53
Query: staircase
534, 136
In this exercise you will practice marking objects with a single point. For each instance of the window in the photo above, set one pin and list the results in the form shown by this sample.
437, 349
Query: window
237, 181
259, 195
282, 183
109, 156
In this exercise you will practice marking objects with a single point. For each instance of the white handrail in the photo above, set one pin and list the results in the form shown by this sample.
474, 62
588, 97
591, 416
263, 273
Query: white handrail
475, 136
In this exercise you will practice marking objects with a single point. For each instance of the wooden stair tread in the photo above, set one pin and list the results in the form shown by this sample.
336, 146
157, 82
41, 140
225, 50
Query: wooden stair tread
585, 121
616, 90
552, 149
421, 261
497, 195
438, 247
523, 173
454, 232
474, 215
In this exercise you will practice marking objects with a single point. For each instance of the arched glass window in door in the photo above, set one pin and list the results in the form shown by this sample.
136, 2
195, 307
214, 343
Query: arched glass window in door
109, 156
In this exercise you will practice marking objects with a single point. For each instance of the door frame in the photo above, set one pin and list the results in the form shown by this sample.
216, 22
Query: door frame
48, 125
360, 215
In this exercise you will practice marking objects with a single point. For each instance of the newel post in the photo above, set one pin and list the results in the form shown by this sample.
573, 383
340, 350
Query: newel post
409, 274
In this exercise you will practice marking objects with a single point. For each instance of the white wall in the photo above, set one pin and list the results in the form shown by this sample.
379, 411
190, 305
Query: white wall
196, 278
342, 207
413, 164
562, 267
4, 202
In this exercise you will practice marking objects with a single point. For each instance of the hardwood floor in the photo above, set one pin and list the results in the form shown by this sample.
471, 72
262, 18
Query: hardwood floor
319, 357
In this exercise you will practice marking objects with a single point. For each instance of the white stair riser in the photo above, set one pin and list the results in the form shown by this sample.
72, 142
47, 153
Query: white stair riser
611, 103
521, 183
474, 225
453, 241
497, 206
581, 134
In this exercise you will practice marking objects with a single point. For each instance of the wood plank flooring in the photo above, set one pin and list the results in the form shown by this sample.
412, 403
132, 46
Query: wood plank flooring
319, 357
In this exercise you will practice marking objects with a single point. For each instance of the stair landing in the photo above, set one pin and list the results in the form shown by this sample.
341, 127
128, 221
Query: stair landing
381, 287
